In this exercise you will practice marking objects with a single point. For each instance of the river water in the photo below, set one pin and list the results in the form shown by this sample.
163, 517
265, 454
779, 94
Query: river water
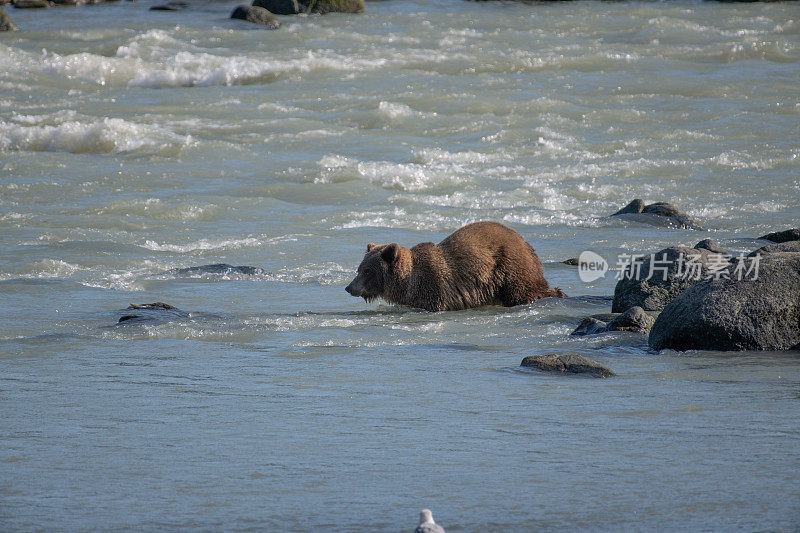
134, 144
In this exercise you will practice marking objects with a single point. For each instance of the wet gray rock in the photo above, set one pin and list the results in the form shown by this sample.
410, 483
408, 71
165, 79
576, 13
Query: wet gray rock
256, 15
657, 214
733, 314
5, 22
674, 269
170, 6
777, 248
567, 364
279, 7
635, 319
591, 325
636, 206
69, 2
155, 305
573, 261
783, 236
711, 246
158, 312
219, 268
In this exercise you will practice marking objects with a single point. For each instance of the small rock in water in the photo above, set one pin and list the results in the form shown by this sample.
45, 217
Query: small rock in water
591, 325
220, 268
572, 261
170, 6
635, 319
711, 246
156, 312
426, 523
154, 305
256, 15
567, 364
636, 206
657, 214
783, 236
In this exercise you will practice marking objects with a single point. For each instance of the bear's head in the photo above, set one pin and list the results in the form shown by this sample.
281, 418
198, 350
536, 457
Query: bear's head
376, 271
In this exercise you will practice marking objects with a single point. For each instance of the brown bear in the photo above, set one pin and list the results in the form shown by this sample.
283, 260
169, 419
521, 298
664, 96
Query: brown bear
484, 263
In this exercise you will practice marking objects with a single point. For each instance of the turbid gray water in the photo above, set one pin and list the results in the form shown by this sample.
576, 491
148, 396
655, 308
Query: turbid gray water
136, 145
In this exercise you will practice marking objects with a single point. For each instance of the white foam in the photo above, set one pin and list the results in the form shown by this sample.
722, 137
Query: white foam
394, 111
106, 135
203, 245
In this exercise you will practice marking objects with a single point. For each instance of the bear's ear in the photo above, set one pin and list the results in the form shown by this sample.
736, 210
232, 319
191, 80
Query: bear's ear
370, 246
389, 254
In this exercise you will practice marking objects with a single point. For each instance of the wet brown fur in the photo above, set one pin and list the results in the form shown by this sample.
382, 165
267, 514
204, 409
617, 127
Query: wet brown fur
484, 263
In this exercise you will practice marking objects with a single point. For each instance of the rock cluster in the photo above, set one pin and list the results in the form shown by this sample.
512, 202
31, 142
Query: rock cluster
705, 299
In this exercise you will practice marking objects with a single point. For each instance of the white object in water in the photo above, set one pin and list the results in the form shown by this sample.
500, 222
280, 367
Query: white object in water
426, 523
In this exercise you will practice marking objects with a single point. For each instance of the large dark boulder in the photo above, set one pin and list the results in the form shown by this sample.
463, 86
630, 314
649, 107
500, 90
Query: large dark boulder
5, 22
736, 314
783, 236
279, 7
322, 7
635, 319
567, 364
777, 248
256, 15
673, 270
657, 214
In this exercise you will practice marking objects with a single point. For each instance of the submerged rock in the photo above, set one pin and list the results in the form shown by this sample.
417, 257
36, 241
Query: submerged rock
155, 305
219, 268
279, 7
5, 22
590, 325
567, 364
635, 319
572, 261
783, 236
170, 6
670, 272
152, 312
256, 15
657, 214
733, 314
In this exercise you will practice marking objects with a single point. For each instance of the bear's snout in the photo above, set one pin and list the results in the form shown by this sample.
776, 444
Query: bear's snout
352, 290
